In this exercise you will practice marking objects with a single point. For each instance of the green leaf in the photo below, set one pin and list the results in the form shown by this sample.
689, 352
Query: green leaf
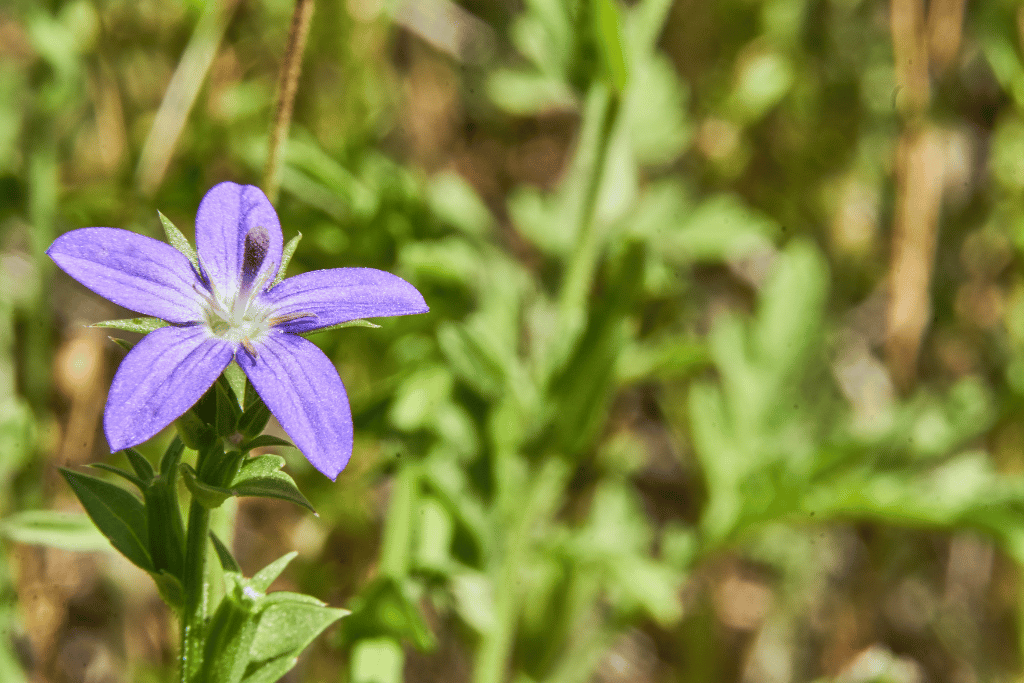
140, 325
169, 587
139, 463
166, 529
254, 418
262, 476
54, 529
192, 430
263, 578
229, 637
171, 458
123, 343
227, 560
271, 671
288, 623
119, 515
228, 410
178, 241
265, 440
210, 497
124, 474
351, 323
286, 257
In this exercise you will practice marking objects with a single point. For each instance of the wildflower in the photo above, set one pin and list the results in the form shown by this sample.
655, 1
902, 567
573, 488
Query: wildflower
227, 306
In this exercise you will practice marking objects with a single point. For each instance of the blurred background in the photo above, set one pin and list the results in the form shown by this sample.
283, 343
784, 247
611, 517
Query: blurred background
723, 378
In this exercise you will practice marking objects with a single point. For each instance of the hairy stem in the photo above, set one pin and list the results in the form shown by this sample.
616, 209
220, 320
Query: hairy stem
287, 85
193, 613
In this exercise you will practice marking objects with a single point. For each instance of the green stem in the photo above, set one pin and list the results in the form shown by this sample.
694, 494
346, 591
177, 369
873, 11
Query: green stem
193, 613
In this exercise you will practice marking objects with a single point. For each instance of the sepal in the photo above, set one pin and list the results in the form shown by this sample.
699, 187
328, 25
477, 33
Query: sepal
141, 325
254, 418
194, 432
227, 409
143, 469
286, 257
123, 343
179, 241
351, 323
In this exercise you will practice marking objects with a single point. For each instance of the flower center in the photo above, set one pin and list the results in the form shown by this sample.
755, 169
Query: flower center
242, 318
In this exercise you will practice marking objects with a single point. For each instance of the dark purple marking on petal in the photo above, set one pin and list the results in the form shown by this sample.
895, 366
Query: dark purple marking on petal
342, 294
302, 388
253, 255
137, 272
159, 379
226, 216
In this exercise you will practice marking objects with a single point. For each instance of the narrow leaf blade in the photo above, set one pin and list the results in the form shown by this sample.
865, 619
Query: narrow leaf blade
119, 515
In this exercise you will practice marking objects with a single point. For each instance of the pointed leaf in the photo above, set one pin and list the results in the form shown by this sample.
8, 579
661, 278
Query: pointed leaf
263, 578
227, 560
262, 476
228, 410
123, 343
255, 418
124, 474
142, 468
290, 622
140, 325
264, 441
119, 515
171, 458
272, 670
166, 529
178, 241
220, 468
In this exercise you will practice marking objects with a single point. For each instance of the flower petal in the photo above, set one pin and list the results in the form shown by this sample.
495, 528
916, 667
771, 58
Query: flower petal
302, 389
342, 294
134, 271
226, 215
159, 379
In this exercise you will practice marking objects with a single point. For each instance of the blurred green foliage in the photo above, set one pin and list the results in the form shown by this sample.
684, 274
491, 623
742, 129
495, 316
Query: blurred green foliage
648, 431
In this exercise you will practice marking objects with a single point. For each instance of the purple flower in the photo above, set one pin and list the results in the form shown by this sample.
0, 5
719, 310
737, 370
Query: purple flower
229, 308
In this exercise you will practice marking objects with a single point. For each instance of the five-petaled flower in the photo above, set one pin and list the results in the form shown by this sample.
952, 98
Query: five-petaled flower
228, 308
